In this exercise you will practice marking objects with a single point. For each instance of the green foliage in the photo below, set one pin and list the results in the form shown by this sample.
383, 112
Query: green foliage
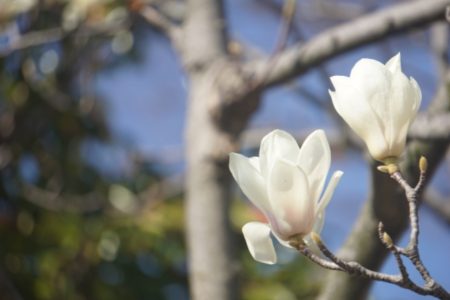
109, 255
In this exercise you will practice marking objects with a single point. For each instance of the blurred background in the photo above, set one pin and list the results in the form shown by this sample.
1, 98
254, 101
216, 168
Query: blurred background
92, 116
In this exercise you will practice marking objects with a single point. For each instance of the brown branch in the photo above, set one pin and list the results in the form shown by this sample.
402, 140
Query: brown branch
303, 249
162, 23
386, 240
55, 201
33, 39
431, 287
367, 29
412, 249
431, 126
354, 268
45, 36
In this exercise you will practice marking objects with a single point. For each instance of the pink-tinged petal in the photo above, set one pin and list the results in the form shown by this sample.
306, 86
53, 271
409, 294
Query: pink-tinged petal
314, 159
292, 207
250, 180
259, 242
275, 145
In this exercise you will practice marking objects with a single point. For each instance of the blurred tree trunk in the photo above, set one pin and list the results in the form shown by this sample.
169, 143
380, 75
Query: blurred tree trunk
7, 290
211, 261
211, 257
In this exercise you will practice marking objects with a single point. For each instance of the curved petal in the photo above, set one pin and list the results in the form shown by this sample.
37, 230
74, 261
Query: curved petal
292, 206
281, 241
250, 180
254, 161
318, 225
399, 110
377, 72
376, 90
416, 94
394, 64
259, 243
353, 106
314, 159
320, 221
335, 178
277, 144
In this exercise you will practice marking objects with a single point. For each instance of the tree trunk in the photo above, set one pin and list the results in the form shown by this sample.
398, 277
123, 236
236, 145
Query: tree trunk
7, 289
213, 268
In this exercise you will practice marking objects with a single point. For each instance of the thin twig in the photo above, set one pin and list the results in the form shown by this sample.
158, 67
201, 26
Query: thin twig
161, 22
412, 249
411, 252
283, 36
318, 260
32, 39
355, 268
387, 242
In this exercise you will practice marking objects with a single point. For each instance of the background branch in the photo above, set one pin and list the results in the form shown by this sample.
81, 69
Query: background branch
367, 29
438, 205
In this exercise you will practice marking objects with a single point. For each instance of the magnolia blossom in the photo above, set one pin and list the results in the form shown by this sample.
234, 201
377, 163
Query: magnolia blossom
285, 182
378, 102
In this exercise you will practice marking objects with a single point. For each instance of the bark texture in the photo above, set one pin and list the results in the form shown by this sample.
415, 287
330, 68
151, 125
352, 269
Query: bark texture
212, 265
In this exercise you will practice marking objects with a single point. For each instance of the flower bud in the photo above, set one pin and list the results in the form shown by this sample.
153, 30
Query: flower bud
423, 164
387, 239
379, 103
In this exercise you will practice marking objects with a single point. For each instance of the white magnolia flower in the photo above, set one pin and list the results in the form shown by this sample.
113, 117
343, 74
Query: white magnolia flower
285, 183
378, 102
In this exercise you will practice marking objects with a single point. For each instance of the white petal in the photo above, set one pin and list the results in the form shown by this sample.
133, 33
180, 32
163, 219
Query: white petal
353, 106
281, 241
318, 225
416, 94
399, 108
250, 180
291, 202
373, 80
275, 145
320, 221
394, 64
335, 178
259, 243
314, 159
378, 102
254, 161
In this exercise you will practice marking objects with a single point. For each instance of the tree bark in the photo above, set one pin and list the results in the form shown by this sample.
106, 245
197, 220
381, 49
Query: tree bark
211, 260
212, 265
